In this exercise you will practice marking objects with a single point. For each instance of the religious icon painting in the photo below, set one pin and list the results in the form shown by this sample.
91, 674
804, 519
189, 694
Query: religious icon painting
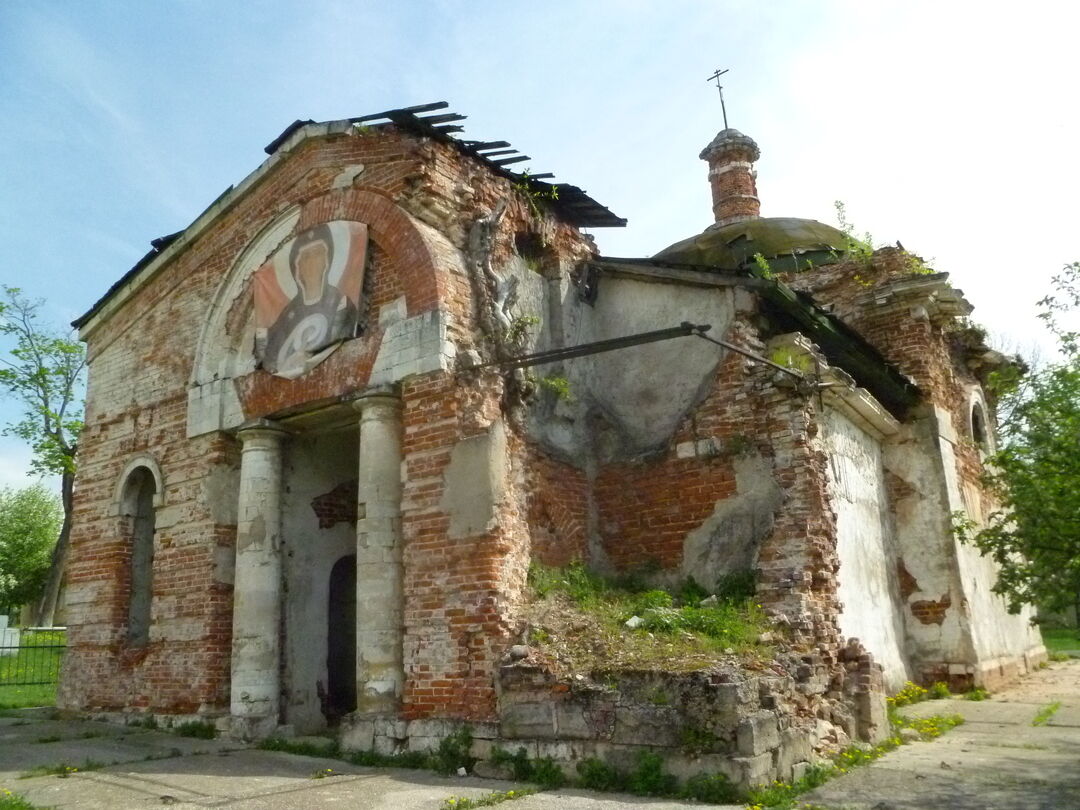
307, 297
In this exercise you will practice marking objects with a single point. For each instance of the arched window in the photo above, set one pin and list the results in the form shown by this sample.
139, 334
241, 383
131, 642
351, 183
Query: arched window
139, 493
979, 430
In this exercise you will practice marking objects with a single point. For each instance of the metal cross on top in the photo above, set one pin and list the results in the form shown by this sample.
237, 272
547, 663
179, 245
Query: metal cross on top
716, 76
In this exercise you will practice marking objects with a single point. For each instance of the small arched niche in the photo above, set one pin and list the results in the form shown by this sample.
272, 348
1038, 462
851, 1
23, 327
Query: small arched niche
138, 499
980, 426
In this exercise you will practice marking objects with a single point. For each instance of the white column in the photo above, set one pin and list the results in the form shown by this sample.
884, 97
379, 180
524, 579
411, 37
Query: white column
256, 646
380, 672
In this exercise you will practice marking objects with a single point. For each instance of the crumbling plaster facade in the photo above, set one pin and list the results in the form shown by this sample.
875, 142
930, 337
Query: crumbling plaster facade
434, 476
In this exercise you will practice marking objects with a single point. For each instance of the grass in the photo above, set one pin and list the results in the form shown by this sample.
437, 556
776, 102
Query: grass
1061, 641
1043, 715
34, 661
13, 801
579, 618
37, 658
23, 697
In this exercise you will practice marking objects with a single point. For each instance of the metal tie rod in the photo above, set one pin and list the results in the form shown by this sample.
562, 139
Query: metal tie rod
685, 329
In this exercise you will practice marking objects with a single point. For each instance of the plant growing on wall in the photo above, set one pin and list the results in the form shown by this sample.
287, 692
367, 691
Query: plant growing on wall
43, 371
1035, 535
535, 195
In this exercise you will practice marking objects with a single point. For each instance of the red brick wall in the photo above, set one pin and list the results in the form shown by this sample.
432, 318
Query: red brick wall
460, 595
558, 510
646, 508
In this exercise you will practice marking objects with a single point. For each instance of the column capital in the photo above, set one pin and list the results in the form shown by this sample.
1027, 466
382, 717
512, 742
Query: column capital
382, 403
260, 431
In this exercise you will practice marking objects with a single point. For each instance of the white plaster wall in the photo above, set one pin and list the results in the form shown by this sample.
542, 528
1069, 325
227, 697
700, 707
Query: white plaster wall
927, 549
866, 545
642, 391
314, 465
647, 389
995, 633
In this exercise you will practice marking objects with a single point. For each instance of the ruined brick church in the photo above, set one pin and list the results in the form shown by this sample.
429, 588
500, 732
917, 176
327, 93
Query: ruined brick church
331, 422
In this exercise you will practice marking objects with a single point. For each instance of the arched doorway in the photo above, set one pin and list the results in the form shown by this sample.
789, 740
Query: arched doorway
341, 640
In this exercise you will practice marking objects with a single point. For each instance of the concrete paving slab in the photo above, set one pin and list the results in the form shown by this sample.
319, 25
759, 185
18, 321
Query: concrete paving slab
30, 744
996, 760
263, 780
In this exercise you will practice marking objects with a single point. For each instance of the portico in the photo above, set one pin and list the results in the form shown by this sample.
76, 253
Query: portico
293, 543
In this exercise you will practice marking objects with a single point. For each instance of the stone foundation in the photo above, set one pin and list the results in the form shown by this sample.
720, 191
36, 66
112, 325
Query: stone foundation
752, 727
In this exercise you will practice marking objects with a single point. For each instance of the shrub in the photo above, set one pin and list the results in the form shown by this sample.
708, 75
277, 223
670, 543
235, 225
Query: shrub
940, 690
596, 774
649, 777
547, 774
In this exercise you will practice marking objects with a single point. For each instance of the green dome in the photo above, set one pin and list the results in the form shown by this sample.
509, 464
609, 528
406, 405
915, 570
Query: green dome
786, 244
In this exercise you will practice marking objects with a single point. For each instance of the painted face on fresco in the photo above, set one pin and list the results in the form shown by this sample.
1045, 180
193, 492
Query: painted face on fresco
312, 264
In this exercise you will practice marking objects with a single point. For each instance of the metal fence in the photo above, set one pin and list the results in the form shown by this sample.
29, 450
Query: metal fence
31, 656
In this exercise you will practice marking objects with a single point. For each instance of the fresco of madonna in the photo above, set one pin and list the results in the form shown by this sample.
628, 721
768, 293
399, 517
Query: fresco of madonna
307, 297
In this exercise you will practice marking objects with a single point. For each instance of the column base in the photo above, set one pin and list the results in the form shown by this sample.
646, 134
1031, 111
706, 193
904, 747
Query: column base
382, 733
250, 729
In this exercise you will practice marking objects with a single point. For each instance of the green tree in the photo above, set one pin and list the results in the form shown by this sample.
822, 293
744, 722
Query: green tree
1035, 534
29, 521
43, 371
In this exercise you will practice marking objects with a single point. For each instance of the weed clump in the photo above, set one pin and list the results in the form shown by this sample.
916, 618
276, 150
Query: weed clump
199, 729
543, 771
940, 690
608, 622
490, 800
714, 788
454, 752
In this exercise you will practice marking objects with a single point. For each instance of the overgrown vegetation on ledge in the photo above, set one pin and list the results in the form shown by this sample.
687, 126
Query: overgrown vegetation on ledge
587, 622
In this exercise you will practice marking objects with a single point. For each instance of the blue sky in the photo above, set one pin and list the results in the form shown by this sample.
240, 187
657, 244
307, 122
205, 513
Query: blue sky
948, 125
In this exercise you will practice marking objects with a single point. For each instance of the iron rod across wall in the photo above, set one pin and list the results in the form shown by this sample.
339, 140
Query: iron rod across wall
685, 329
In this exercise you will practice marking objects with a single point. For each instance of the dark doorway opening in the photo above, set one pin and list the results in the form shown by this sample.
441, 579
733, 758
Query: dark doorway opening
341, 640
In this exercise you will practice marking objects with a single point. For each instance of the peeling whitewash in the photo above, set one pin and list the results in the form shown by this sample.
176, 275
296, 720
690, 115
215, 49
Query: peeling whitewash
865, 545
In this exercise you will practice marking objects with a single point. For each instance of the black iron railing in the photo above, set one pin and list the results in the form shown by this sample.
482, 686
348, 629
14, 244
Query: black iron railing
31, 656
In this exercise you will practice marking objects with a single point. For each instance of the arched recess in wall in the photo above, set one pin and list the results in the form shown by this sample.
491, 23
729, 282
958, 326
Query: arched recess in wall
979, 427
139, 495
